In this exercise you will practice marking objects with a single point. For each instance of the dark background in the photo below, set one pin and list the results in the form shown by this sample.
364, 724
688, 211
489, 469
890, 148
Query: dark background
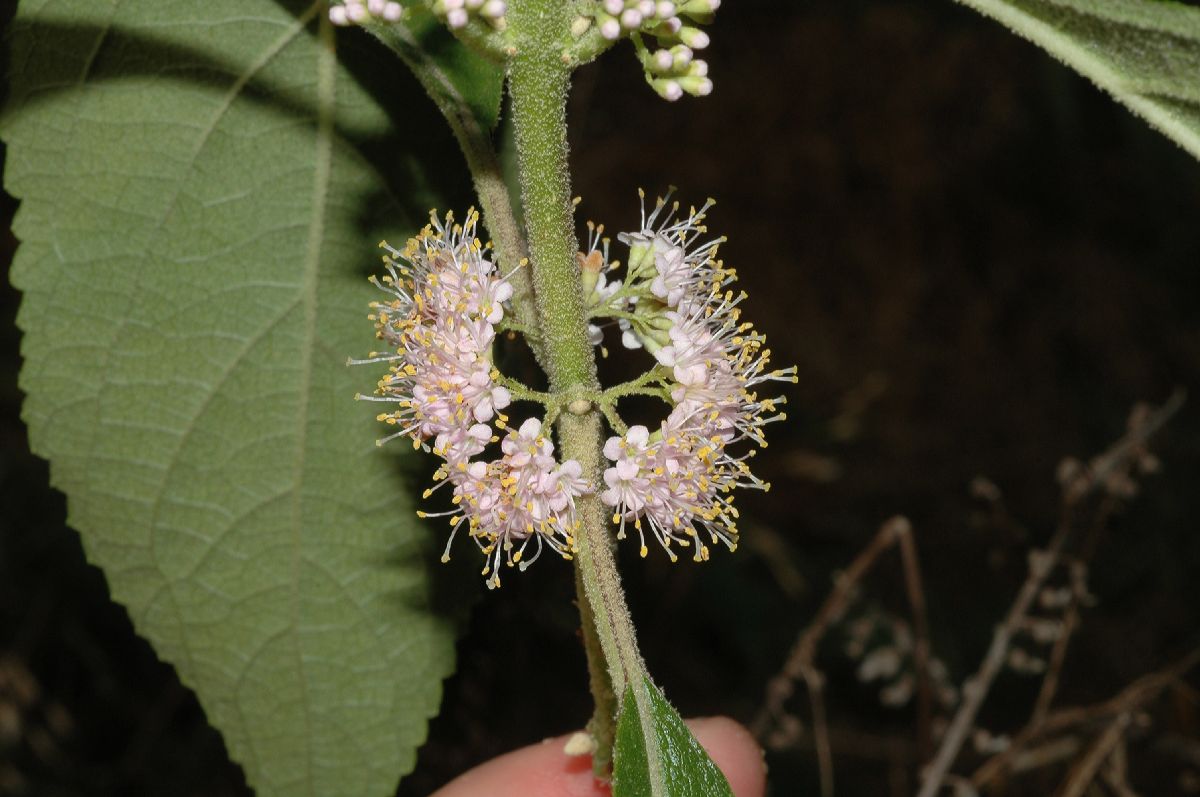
979, 264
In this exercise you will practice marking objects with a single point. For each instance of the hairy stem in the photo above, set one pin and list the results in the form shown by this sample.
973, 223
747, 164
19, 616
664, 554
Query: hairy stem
539, 80
483, 164
538, 83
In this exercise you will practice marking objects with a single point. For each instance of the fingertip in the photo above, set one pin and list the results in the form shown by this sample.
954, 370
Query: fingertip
544, 770
735, 752
539, 770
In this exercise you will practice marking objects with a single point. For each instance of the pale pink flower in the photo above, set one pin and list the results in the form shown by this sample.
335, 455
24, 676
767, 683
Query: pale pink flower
677, 481
523, 498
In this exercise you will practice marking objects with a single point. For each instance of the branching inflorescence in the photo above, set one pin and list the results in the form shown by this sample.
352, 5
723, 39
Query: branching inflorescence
665, 34
676, 302
446, 299
670, 65
439, 323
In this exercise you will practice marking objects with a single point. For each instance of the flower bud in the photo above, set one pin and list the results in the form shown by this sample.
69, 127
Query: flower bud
590, 266
658, 61
641, 256
694, 8
696, 86
693, 37
682, 55
667, 28
631, 19
610, 28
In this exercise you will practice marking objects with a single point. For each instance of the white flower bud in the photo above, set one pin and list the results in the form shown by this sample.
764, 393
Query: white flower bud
375, 7
356, 12
614, 7
664, 9
393, 11
457, 18
631, 19
337, 15
494, 9
693, 37
610, 29
696, 86
669, 90
646, 8
662, 60
698, 68
682, 55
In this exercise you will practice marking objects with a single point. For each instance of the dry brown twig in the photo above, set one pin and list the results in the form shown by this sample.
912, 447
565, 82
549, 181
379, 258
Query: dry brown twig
1129, 700
801, 661
1058, 655
1084, 773
1108, 471
1115, 773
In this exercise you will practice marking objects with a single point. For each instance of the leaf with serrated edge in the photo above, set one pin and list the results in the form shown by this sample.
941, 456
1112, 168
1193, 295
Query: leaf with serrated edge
655, 753
1146, 54
195, 231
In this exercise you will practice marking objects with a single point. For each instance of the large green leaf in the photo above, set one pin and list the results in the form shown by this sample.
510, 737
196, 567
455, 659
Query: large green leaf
655, 753
203, 184
1146, 53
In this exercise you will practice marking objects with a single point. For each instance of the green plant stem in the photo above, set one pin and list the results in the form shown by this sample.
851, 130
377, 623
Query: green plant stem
484, 166
538, 83
614, 660
539, 80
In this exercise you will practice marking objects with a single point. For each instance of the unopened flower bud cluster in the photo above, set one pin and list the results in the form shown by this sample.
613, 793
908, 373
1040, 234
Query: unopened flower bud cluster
455, 13
445, 298
671, 67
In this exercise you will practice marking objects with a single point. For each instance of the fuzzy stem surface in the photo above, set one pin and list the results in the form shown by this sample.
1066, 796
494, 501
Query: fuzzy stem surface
539, 80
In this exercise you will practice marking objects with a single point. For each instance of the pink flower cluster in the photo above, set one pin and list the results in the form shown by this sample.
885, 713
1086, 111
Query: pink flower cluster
445, 299
678, 479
